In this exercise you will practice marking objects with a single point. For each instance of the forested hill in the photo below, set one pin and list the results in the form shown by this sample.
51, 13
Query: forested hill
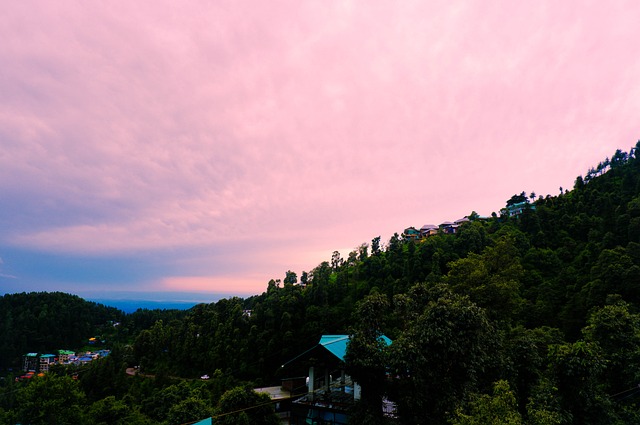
45, 322
48, 321
550, 267
533, 311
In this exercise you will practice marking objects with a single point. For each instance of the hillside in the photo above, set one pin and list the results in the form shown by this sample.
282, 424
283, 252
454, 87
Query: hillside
48, 321
533, 311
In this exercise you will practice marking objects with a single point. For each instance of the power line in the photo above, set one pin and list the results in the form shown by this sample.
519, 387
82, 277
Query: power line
262, 404
626, 391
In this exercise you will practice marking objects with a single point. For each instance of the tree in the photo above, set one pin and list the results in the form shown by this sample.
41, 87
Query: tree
577, 370
242, 405
336, 261
366, 357
440, 357
375, 245
158, 405
291, 278
110, 411
526, 351
544, 408
189, 410
363, 252
613, 273
517, 199
617, 332
491, 279
51, 400
498, 409
619, 158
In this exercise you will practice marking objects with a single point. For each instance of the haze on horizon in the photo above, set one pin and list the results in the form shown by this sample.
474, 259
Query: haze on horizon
151, 148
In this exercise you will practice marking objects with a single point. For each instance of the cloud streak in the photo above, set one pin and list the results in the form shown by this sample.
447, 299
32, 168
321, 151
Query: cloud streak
276, 131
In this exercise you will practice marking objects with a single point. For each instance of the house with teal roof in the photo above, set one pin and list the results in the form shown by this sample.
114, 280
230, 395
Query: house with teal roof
411, 233
516, 210
30, 362
47, 360
330, 392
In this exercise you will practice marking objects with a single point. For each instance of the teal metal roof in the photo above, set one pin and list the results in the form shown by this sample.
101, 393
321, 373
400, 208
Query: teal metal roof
337, 344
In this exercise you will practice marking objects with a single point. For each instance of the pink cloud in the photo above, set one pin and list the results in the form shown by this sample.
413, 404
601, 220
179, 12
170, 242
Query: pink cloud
300, 126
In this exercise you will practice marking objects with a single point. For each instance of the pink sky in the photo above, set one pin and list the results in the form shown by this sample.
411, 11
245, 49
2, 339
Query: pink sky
212, 146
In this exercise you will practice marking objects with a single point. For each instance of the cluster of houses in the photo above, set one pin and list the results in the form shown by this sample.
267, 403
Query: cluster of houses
448, 228
33, 363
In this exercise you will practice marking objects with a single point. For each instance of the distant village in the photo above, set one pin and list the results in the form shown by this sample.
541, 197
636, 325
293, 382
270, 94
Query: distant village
37, 364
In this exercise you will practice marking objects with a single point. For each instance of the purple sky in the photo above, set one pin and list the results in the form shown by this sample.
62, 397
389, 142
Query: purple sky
208, 147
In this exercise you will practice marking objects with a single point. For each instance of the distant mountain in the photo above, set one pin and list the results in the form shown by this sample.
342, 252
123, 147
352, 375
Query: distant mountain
130, 306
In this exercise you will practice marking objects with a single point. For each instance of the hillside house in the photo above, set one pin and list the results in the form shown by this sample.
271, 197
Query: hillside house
30, 362
461, 221
84, 359
65, 356
411, 233
516, 210
47, 360
448, 227
428, 230
329, 391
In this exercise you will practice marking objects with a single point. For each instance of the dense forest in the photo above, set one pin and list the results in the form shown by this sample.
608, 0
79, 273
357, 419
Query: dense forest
528, 318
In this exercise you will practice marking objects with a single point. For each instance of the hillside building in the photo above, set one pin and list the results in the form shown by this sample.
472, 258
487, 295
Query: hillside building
329, 392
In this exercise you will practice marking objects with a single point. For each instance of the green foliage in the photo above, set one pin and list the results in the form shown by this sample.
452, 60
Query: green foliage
367, 355
51, 400
497, 409
242, 405
110, 411
491, 279
577, 369
188, 410
544, 407
158, 405
617, 332
441, 355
